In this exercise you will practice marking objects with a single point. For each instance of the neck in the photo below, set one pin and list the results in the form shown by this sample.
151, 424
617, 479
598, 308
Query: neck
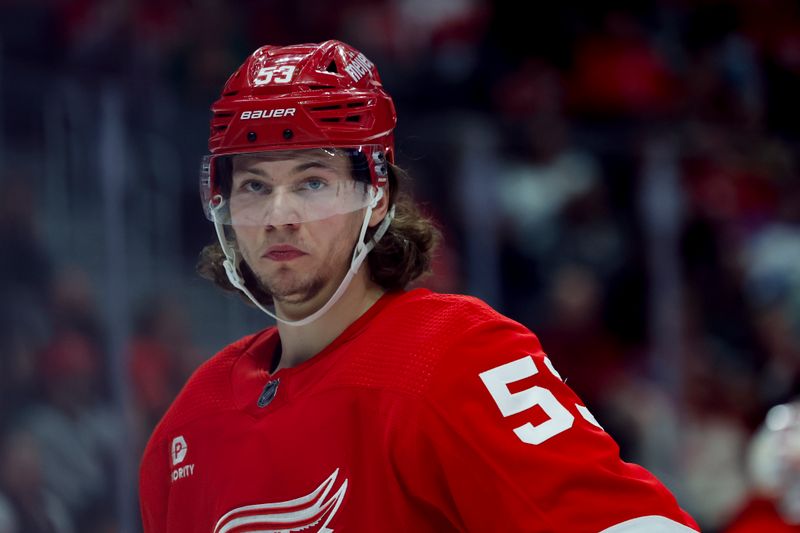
301, 343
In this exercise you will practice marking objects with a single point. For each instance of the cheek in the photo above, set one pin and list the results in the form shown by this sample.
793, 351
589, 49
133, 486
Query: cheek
245, 238
336, 234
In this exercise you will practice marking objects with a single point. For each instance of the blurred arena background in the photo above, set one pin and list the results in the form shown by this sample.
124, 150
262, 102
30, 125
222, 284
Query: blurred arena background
621, 177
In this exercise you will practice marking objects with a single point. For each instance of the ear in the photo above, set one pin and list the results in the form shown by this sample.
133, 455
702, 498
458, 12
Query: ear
379, 211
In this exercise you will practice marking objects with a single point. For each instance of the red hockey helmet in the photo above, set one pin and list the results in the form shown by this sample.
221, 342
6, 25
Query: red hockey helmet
303, 96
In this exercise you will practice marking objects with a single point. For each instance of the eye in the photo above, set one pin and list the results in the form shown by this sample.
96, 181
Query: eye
314, 184
253, 186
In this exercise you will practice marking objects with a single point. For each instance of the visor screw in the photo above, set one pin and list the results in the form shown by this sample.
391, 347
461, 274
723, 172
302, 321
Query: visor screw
288, 134
251, 136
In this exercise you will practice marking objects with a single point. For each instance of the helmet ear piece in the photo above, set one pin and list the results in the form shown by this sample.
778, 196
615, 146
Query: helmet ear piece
379, 165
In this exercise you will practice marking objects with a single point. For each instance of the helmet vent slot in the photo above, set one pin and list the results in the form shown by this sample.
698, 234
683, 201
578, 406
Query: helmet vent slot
320, 87
353, 118
360, 103
326, 107
332, 67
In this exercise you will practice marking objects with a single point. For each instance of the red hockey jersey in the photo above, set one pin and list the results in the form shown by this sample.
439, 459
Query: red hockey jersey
430, 413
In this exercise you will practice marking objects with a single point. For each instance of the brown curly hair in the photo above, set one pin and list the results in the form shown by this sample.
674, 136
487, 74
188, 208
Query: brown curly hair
403, 254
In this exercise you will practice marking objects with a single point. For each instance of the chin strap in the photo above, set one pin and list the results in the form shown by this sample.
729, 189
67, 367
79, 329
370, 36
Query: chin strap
360, 252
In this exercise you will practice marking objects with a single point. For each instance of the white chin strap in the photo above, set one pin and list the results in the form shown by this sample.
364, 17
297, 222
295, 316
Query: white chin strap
359, 255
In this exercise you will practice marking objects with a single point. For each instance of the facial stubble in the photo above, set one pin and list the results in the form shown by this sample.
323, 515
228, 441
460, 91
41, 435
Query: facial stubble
299, 291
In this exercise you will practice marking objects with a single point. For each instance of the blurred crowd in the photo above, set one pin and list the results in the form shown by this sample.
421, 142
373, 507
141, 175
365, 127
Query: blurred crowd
637, 164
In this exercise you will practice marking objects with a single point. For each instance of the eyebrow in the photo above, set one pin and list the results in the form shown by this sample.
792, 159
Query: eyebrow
311, 164
296, 170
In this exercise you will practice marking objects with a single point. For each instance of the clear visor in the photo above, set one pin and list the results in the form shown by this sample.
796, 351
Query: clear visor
286, 187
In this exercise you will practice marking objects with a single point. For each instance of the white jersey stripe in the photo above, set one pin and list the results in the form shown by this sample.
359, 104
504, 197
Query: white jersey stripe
649, 524
312, 507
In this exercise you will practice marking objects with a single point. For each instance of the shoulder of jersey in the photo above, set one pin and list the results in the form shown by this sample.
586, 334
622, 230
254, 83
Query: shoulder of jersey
413, 339
208, 390
431, 313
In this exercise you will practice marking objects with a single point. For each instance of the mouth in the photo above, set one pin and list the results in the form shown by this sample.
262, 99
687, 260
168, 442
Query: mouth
283, 252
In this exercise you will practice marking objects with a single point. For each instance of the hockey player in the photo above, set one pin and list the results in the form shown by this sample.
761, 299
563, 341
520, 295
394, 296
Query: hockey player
773, 462
368, 408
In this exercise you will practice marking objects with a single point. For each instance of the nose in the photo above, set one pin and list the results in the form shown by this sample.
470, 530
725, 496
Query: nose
282, 210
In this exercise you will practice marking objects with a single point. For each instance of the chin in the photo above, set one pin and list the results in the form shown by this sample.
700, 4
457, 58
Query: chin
288, 286
296, 293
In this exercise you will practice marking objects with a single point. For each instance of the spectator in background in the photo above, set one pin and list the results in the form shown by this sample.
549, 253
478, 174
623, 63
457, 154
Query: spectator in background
779, 376
161, 358
535, 191
770, 263
25, 274
25, 268
619, 73
8, 520
29, 507
20, 341
76, 432
713, 431
72, 305
774, 469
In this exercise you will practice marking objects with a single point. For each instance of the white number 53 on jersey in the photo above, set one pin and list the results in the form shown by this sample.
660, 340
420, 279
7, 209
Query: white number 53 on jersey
559, 419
